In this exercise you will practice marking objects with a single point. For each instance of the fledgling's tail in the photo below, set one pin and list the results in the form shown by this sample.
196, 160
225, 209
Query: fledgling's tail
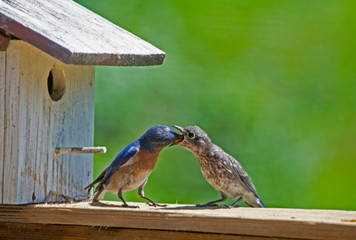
255, 202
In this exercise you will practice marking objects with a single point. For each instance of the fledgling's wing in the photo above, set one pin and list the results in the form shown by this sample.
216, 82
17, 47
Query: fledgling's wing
124, 156
235, 168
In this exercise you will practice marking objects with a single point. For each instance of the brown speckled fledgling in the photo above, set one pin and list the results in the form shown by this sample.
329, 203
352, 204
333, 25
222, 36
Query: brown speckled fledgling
220, 169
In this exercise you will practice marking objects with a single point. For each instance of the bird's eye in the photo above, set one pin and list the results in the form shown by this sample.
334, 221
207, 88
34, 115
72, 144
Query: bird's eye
191, 135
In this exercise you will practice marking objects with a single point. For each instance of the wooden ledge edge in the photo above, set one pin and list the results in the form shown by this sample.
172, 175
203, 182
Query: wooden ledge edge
268, 222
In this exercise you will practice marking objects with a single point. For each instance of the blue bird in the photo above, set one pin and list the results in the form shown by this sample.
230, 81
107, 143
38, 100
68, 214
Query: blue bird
133, 165
220, 169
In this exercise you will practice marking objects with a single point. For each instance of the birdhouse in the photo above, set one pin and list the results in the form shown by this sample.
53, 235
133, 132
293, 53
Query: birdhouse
49, 49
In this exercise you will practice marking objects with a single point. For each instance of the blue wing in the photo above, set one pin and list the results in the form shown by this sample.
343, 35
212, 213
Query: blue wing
124, 156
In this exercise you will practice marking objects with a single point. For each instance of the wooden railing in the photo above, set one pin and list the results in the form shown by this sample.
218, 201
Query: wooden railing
105, 220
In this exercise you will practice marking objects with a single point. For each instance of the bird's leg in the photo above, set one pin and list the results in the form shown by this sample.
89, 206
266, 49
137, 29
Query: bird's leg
119, 194
97, 194
224, 197
236, 202
141, 193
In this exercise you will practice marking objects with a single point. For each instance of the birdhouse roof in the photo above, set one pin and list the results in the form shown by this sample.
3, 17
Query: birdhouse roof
74, 34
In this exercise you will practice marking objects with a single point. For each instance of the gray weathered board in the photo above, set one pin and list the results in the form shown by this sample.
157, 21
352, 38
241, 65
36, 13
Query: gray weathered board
32, 125
74, 34
2, 115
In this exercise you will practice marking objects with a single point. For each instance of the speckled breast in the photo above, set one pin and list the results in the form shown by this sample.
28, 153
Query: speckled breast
219, 177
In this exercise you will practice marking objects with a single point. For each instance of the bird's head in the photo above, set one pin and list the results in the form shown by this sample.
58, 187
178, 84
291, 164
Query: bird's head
195, 139
158, 137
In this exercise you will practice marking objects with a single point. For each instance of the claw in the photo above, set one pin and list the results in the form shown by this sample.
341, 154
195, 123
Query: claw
128, 206
154, 204
225, 206
234, 206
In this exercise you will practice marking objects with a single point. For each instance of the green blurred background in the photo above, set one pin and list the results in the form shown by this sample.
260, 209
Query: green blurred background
272, 82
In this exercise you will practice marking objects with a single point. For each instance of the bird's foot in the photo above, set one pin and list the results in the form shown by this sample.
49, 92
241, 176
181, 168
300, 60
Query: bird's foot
234, 206
228, 206
154, 204
128, 206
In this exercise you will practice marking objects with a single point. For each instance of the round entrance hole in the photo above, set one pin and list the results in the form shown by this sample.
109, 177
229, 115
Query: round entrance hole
56, 83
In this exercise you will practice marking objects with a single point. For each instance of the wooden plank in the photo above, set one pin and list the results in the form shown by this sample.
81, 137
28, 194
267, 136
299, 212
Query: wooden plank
283, 223
41, 231
4, 42
11, 124
32, 125
74, 122
2, 116
29, 121
75, 35
45, 124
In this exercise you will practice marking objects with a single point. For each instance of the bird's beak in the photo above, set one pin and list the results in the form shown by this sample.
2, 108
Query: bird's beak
178, 139
179, 128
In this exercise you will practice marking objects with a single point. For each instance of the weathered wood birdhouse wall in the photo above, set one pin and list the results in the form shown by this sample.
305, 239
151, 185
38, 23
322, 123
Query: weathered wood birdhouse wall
48, 52
44, 104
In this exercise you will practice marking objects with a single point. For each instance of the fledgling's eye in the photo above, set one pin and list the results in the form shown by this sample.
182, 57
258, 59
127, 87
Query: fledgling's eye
191, 135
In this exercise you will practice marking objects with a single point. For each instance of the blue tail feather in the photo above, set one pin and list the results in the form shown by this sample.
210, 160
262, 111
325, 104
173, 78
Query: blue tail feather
260, 202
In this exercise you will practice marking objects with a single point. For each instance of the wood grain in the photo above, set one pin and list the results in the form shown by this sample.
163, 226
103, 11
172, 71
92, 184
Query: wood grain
41, 231
79, 150
4, 42
75, 35
282, 223
35, 125
11, 123
2, 117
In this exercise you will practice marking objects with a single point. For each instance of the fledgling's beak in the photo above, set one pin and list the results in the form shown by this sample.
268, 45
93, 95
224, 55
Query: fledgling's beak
179, 128
178, 138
